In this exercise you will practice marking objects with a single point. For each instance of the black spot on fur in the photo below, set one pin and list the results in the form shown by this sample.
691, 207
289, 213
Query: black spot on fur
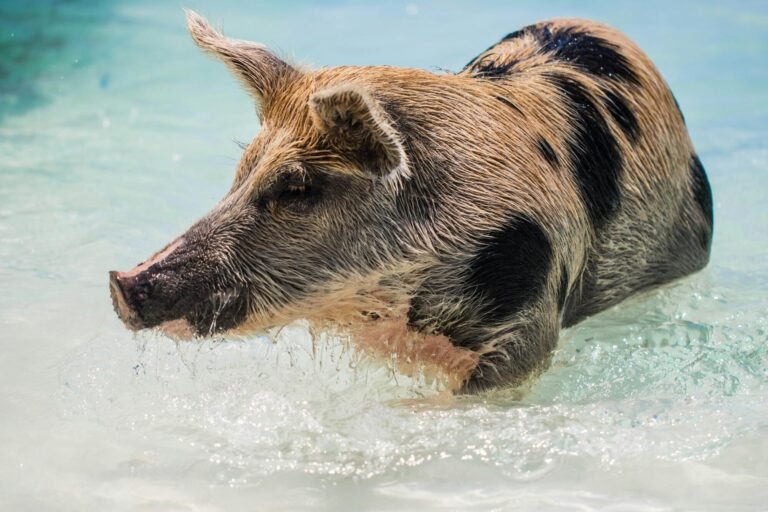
590, 53
595, 155
546, 151
514, 35
585, 51
510, 36
622, 114
509, 104
493, 70
511, 269
701, 190
472, 62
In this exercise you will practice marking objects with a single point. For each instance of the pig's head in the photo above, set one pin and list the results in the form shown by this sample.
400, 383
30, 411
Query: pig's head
310, 225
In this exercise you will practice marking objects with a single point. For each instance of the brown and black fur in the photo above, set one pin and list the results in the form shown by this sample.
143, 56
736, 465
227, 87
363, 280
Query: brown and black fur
463, 218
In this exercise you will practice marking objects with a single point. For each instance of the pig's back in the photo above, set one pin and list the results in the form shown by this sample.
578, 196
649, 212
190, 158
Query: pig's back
617, 129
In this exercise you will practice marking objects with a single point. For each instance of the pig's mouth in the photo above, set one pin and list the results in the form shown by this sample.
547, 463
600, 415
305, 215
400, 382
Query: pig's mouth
167, 293
217, 313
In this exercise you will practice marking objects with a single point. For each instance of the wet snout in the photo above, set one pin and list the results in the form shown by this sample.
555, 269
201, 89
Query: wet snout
118, 283
132, 291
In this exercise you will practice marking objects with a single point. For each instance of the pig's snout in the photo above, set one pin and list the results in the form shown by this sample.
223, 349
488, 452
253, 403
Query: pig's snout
120, 287
132, 292
182, 291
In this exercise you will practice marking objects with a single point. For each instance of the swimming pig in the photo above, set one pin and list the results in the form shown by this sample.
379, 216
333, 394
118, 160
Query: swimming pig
457, 219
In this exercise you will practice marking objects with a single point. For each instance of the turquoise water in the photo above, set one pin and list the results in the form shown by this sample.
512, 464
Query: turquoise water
116, 134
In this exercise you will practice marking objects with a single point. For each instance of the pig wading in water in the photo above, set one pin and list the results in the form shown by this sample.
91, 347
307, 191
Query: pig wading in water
457, 221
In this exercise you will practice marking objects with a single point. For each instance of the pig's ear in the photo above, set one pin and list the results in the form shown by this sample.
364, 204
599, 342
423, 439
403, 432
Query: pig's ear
259, 69
359, 127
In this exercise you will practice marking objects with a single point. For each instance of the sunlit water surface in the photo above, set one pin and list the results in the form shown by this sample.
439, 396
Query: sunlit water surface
116, 133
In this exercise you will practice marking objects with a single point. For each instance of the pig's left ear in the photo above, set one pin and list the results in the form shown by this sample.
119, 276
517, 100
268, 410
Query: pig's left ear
258, 69
359, 127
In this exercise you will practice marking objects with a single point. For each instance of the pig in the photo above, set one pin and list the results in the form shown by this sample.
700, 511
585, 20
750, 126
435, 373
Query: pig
458, 220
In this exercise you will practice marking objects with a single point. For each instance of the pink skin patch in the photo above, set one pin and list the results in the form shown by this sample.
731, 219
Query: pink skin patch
155, 258
433, 354
178, 329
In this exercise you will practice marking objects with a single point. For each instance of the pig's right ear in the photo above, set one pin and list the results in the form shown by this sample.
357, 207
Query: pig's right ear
257, 68
358, 126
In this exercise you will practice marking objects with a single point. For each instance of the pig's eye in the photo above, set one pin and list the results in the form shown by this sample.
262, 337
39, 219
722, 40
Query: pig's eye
293, 189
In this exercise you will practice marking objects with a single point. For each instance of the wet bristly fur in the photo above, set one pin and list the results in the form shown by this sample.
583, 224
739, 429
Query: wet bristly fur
459, 219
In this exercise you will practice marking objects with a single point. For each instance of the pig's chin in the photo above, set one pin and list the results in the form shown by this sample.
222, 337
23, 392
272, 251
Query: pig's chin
179, 329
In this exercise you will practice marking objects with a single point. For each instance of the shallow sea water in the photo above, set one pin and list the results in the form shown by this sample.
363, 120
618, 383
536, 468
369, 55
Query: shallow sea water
116, 134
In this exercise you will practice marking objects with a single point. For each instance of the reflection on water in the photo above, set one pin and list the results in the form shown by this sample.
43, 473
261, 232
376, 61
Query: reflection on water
115, 134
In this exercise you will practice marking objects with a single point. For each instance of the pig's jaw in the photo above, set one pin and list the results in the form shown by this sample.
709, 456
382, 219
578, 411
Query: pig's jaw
179, 329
